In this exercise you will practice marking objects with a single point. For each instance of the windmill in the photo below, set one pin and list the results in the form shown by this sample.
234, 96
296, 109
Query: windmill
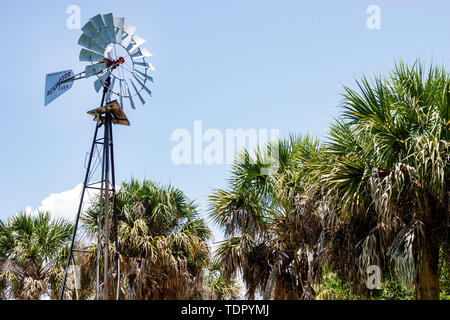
119, 64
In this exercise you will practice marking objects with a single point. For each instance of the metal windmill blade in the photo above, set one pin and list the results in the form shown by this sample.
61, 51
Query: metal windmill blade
141, 53
90, 30
122, 91
95, 69
109, 25
113, 52
128, 30
130, 97
101, 82
99, 25
127, 34
143, 86
89, 43
90, 56
118, 28
145, 75
137, 92
135, 43
145, 65
110, 90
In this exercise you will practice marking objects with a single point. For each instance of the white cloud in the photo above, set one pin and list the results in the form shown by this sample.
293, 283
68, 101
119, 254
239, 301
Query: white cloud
64, 204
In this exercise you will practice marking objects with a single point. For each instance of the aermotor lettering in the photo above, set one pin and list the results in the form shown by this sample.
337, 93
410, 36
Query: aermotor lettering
65, 76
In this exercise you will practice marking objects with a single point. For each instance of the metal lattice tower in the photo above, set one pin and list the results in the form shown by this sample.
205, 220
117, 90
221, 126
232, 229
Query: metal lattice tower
107, 283
121, 67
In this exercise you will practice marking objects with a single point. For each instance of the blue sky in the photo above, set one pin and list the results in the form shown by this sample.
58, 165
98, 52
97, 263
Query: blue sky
230, 64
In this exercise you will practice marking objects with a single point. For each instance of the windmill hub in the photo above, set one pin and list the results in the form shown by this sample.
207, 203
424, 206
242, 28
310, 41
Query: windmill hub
118, 55
113, 64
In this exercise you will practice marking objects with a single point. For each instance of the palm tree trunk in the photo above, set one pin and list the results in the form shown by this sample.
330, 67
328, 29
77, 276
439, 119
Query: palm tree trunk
429, 274
251, 295
270, 290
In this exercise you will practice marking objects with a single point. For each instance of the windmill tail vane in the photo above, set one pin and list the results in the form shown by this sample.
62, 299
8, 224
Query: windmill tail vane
114, 51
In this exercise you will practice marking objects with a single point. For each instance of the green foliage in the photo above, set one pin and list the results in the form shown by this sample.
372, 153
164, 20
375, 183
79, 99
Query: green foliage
392, 289
267, 239
32, 255
444, 279
376, 193
162, 242
386, 177
219, 286
333, 288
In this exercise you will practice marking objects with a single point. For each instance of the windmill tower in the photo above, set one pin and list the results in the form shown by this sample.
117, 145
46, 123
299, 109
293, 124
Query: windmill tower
121, 70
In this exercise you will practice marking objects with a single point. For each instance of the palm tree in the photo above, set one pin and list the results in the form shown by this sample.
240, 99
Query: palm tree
217, 287
163, 246
32, 251
270, 235
386, 176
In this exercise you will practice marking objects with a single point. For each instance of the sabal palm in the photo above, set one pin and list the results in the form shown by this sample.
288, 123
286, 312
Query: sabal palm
32, 251
162, 242
263, 219
387, 178
217, 286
